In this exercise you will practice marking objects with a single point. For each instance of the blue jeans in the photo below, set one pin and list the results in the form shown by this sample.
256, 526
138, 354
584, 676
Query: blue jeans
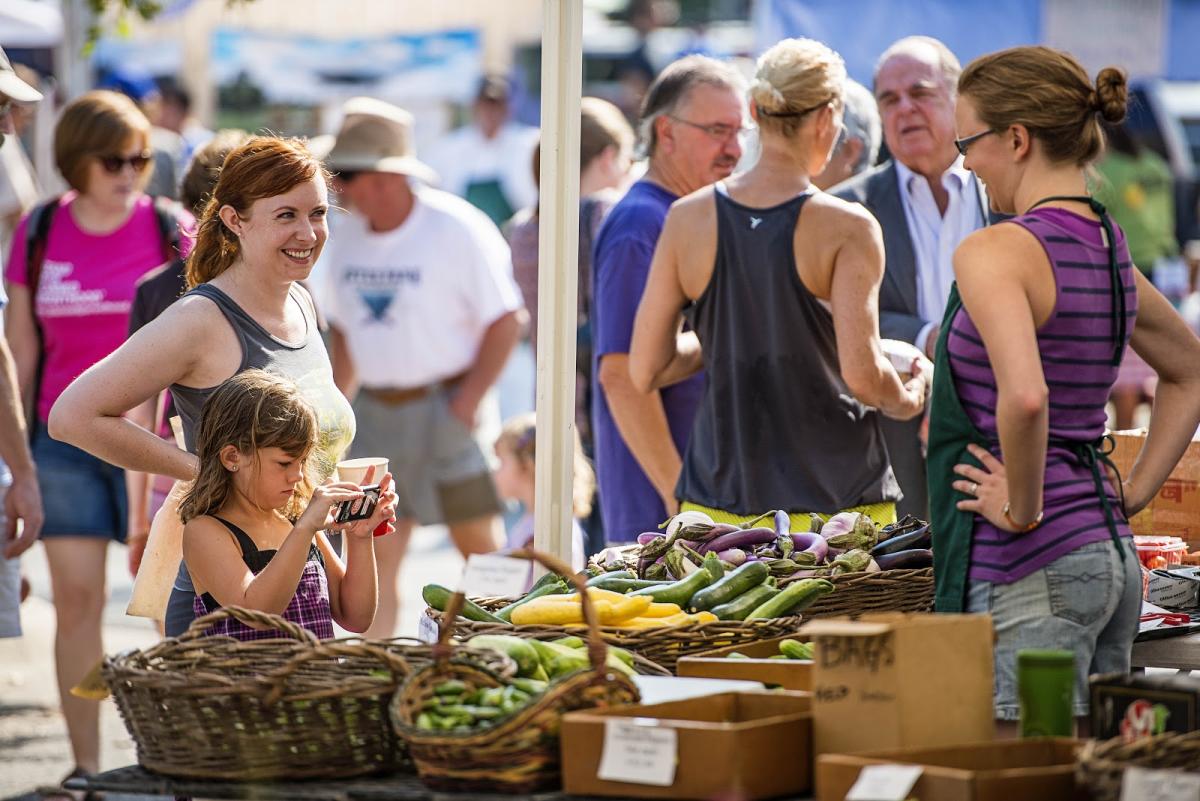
1087, 601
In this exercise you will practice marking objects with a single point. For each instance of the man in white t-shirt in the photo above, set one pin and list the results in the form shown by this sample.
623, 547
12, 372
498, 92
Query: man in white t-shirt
424, 312
489, 162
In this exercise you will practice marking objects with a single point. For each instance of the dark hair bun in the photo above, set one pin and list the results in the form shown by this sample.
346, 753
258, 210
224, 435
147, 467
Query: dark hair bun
1112, 94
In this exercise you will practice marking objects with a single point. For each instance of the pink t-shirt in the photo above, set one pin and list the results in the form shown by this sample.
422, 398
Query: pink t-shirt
86, 288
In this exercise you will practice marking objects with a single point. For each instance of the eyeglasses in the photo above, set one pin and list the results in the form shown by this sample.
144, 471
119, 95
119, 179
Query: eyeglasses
965, 143
114, 164
719, 132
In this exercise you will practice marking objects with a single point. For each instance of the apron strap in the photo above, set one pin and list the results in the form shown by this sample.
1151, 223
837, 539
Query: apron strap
1093, 454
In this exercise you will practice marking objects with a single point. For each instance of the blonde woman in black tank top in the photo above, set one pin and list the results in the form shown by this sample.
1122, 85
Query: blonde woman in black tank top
780, 283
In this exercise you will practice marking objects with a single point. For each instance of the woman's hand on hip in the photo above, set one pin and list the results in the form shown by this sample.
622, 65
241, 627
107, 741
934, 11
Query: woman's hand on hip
987, 488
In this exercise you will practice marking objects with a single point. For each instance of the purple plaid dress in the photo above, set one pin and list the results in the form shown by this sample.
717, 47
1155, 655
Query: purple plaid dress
308, 608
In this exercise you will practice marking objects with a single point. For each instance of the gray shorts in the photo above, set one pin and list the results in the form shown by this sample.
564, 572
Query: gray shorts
441, 468
10, 586
1088, 601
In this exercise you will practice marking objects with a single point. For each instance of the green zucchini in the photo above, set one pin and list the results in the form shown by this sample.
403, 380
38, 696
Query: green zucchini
740, 607
795, 597
624, 585
557, 587
519, 650
616, 574
734, 584
678, 592
438, 597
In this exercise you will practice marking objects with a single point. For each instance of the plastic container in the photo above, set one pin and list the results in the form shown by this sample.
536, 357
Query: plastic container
1156, 552
1046, 691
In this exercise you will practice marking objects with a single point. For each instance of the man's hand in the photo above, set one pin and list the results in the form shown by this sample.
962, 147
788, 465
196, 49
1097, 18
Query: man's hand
23, 502
931, 341
465, 407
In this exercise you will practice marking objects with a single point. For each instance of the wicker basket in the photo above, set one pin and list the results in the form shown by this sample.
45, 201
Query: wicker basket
219, 708
518, 754
1102, 763
854, 593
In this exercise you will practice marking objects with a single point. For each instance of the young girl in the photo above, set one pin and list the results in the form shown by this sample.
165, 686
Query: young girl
515, 482
253, 520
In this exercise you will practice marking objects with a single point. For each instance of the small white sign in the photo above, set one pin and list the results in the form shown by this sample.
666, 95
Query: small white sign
427, 629
1140, 784
497, 576
884, 783
639, 751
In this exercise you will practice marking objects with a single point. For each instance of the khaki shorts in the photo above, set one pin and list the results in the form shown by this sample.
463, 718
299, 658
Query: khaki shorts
441, 468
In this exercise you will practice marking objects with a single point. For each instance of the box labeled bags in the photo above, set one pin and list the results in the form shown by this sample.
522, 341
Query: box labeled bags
1143, 705
1175, 510
893, 680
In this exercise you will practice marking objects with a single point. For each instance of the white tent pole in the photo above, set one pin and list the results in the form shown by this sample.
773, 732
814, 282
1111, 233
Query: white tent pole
558, 273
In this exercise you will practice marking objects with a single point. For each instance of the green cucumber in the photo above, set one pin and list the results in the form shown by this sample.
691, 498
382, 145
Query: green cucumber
746, 577
616, 574
678, 592
556, 587
624, 585
517, 649
438, 597
740, 607
547, 578
794, 649
795, 597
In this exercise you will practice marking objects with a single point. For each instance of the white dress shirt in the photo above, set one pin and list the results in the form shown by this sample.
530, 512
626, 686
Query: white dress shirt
935, 235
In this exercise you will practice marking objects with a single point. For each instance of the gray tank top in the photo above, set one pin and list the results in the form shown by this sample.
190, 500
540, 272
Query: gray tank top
777, 427
306, 363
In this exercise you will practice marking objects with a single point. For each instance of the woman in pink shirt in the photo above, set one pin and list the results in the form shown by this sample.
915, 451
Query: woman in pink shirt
70, 299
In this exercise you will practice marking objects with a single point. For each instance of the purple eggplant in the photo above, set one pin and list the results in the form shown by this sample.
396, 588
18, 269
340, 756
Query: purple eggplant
809, 543
739, 539
917, 538
734, 556
647, 537
912, 559
783, 523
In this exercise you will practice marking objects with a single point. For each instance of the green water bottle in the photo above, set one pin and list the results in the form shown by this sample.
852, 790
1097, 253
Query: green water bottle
1046, 689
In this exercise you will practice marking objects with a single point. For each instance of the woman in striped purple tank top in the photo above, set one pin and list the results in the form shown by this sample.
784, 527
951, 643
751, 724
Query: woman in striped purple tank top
1028, 525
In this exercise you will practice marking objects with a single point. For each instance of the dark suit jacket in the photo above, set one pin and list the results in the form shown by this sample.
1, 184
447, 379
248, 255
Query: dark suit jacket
879, 190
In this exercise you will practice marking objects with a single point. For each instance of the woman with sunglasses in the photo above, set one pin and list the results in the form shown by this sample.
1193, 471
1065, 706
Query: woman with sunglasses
71, 292
1027, 524
780, 283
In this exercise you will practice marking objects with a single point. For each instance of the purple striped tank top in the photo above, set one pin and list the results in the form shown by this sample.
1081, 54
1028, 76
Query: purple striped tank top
1076, 346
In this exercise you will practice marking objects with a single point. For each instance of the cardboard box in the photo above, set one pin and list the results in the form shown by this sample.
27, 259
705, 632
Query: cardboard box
893, 680
741, 746
1176, 588
1175, 510
1142, 705
790, 674
1040, 769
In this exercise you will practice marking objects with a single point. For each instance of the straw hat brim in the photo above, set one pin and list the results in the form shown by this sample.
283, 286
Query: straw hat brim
364, 162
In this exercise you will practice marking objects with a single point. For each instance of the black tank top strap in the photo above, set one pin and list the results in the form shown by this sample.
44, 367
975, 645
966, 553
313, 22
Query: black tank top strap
254, 558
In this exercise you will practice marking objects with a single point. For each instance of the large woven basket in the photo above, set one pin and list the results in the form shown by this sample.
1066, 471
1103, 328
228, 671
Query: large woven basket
1102, 763
662, 646
519, 754
854, 593
219, 708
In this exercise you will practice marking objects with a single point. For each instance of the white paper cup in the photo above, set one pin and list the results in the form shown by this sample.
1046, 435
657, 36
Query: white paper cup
355, 470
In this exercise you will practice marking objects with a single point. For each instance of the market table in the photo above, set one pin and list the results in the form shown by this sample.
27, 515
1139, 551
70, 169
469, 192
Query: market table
1181, 653
135, 780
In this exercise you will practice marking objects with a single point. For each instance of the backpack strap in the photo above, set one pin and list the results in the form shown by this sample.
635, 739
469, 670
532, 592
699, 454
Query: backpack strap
167, 215
37, 231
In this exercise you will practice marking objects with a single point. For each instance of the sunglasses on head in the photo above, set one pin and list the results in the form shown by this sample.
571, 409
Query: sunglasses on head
115, 164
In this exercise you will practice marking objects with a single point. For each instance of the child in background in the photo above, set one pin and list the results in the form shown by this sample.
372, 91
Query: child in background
253, 520
515, 482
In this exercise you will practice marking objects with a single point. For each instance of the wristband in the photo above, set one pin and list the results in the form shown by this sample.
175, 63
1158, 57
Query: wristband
1022, 528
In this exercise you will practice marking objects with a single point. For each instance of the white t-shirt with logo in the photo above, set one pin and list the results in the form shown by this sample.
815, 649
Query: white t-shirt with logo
414, 303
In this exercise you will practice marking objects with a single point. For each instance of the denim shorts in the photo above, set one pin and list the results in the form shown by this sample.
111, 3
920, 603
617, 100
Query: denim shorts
82, 495
1087, 601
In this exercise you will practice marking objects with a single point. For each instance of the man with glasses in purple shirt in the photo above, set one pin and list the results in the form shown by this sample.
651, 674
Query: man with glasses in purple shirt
690, 125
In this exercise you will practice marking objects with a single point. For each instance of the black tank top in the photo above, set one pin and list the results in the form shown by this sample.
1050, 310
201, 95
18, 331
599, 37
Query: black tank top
255, 559
777, 427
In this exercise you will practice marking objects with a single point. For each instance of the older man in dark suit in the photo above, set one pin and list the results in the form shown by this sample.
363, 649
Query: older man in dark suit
926, 203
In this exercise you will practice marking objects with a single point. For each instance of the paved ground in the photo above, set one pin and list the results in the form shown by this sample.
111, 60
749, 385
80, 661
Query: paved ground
33, 744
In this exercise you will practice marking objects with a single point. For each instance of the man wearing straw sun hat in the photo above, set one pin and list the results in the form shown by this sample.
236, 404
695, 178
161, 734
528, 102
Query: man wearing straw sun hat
424, 313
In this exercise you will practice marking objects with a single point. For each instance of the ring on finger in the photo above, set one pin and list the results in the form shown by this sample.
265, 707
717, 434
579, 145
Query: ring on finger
974, 488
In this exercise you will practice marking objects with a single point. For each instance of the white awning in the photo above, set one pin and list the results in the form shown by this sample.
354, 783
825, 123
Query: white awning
28, 23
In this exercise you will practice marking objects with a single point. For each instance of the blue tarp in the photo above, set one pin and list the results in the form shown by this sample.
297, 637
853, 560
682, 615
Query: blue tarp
862, 29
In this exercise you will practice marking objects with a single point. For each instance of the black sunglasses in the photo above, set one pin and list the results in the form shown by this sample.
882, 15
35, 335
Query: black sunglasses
114, 164
346, 176
966, 142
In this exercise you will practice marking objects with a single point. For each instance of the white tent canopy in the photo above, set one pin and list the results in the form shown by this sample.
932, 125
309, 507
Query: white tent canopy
27, 23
